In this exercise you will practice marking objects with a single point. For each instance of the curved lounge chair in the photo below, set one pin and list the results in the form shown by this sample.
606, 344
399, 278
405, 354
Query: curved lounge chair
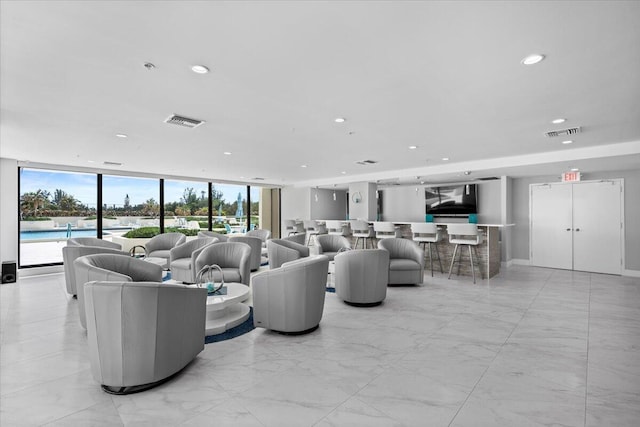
140, 334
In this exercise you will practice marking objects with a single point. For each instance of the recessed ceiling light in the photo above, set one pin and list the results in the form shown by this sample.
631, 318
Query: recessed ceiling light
567, 142
227, 153
200, 69
445, 159
558, 121
574, 169
532, 59
413, 147
91, 161
149, 66
121, 135
303, 166
343, 172
340, 120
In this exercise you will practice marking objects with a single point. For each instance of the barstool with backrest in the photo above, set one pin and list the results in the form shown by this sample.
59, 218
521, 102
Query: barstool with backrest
338, 228
427, 232
464, 234
386, 230
362, 230
313, 228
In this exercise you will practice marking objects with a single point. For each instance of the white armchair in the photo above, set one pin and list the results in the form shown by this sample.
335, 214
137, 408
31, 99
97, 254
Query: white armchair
281, 251
406, 261
160, 245
290, 299
141, 334
182, 258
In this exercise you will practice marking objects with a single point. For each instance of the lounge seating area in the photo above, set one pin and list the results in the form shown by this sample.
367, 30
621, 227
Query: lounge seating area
320, 214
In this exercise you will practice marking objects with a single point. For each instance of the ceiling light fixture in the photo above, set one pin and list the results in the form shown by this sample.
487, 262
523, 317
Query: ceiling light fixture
574, 169
199, 69
121, 135
567, 142
445, 159
413, 147
532, 59
227, 153
340, 120
149, 66
303, 166
558, 121
343, 172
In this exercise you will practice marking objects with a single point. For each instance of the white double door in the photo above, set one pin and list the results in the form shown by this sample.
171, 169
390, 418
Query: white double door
577, 226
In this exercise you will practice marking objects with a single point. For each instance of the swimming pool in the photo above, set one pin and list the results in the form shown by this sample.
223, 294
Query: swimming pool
60, 234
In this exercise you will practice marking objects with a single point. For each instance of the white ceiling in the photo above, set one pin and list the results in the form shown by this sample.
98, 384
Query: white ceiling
445, 76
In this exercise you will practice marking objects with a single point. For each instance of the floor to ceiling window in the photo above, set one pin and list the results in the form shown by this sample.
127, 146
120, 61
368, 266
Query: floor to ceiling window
54, 205
128, 203
186, 205
230, 207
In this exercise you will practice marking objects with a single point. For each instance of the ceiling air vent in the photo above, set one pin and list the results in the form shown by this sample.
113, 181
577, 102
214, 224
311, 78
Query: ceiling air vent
488, 178
563, 132
366, 162
112, 163
258, 179
183, 121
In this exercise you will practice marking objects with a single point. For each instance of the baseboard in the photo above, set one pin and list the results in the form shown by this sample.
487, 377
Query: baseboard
631, 273
517, 261
36, 271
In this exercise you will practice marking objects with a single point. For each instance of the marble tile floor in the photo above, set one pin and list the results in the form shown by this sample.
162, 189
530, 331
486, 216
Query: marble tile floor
530, 347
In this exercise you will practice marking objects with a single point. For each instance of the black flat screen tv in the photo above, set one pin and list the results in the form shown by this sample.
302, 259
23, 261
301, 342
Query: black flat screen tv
452, 200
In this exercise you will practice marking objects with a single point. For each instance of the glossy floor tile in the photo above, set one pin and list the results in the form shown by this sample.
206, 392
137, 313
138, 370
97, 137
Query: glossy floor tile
530, 347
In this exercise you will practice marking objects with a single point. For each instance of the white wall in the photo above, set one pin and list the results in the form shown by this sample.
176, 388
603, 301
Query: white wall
326, 207
295, 203
403, 203
520, 201
8, 210
367, 208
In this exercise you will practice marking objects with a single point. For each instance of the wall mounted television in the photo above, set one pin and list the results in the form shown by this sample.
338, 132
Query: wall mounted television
452, 200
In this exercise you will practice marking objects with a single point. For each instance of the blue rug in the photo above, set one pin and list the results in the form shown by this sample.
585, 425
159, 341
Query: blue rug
167, 276
241, 329
331, 290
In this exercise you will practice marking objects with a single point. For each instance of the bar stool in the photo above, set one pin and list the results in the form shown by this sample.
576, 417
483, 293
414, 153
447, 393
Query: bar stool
338, 228
291, 226
464, 234
427, 232
362, 230
313, 228
386, 230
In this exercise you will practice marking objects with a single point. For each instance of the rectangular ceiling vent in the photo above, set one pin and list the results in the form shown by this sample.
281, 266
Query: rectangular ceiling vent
183, 121
366, 162
112, 163
563, 132
258, 179
488, 178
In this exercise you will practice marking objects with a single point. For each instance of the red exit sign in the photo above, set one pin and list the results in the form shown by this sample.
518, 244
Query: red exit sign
571, 176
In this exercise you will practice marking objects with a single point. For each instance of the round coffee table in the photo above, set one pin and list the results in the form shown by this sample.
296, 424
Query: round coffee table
227, 311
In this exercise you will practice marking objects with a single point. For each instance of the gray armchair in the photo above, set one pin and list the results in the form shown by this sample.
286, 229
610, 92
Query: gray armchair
261, 234
361, 276
160, 245
111, 267
93, 241
290, 299
220, 237
182, 258
281, 251
406, 261
330, 244
300, 238
74, 251
256, 249
232, 257
140, 334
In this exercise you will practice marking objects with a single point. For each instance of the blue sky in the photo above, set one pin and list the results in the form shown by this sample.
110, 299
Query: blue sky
83, 187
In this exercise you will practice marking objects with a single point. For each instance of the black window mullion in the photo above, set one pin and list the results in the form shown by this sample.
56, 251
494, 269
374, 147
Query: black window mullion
161, 205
